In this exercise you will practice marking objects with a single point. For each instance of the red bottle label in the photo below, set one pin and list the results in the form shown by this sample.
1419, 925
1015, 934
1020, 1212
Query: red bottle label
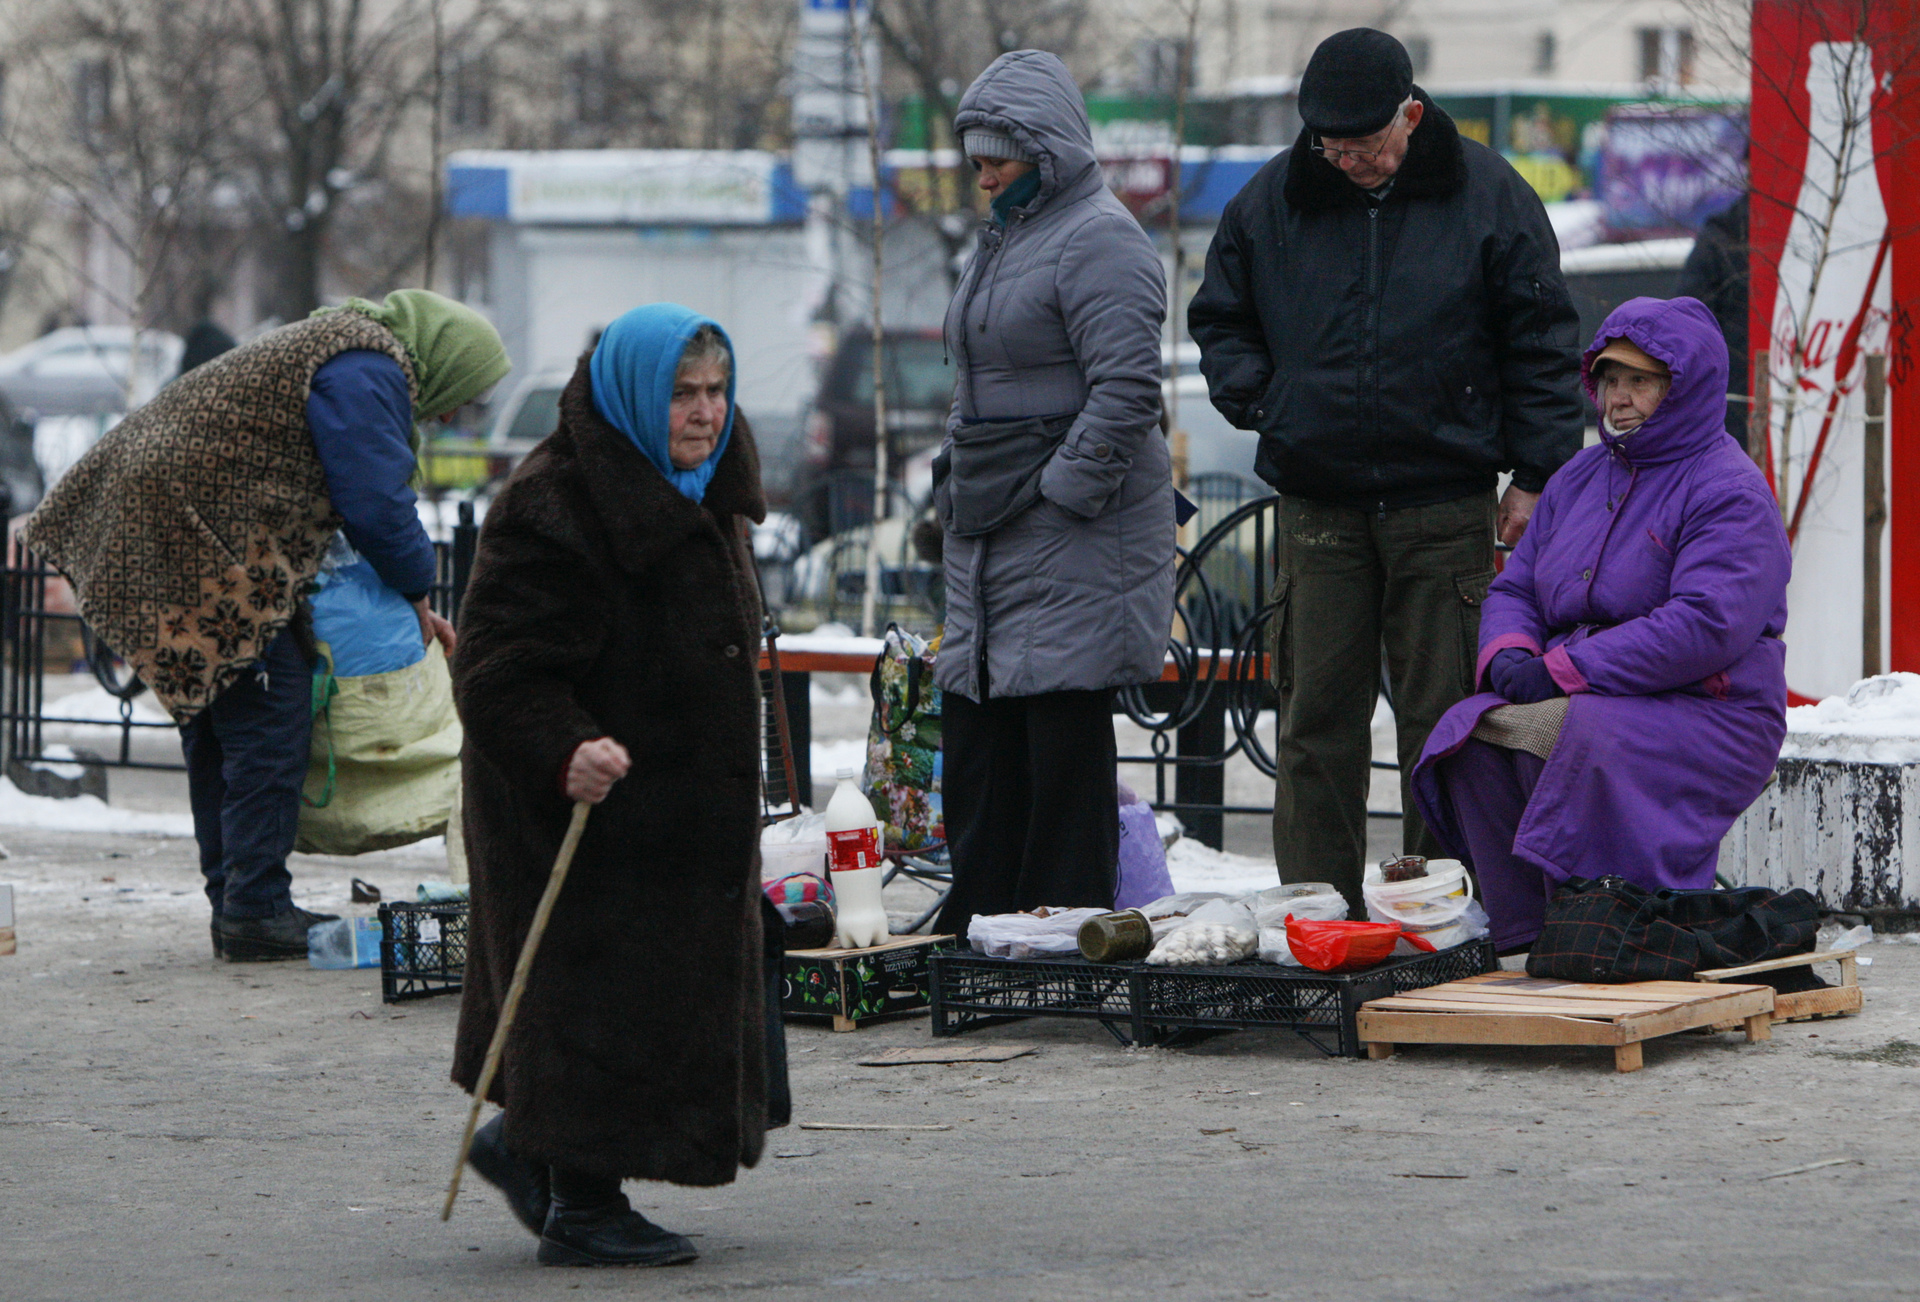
859, 848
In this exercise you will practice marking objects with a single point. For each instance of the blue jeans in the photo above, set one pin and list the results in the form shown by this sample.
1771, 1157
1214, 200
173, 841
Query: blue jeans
246, 760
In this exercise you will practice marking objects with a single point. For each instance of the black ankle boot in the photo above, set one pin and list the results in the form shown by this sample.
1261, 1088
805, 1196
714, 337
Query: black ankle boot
265, 940
590, 1224
524, 1183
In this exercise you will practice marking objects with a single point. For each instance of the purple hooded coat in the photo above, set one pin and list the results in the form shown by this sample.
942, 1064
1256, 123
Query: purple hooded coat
1653, 575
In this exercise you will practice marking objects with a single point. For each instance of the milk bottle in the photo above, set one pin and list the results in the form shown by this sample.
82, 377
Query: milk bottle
853, 855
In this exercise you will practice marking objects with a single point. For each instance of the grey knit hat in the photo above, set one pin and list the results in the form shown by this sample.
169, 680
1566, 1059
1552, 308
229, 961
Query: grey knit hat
978, 142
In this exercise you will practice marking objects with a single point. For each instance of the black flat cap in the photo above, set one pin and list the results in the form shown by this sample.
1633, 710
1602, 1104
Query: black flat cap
1353, 83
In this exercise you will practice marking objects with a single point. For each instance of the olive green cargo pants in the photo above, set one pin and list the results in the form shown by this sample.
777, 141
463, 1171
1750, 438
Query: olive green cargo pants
1350, 584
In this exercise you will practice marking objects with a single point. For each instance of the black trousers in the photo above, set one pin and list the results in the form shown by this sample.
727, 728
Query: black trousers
246, 760
1027, 788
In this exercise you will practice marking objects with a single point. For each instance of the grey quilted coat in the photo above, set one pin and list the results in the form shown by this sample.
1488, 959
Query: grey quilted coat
1060, 311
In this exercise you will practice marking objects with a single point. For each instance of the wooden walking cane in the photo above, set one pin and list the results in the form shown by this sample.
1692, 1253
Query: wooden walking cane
561, 863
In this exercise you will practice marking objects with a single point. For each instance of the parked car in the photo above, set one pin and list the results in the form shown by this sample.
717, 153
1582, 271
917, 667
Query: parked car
1214, 447
530, 412
1601, 277
83, 371
834, 489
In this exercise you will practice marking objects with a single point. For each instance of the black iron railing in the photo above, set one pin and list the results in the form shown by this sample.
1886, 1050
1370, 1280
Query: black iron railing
1211, 712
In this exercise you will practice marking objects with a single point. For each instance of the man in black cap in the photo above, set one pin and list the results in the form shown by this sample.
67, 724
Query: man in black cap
1383, 304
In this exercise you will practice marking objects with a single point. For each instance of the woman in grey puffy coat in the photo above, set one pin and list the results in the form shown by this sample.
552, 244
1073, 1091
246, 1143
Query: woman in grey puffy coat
1056, 495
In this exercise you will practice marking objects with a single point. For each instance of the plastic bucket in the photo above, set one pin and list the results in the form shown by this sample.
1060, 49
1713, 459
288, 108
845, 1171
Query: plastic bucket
1445, 878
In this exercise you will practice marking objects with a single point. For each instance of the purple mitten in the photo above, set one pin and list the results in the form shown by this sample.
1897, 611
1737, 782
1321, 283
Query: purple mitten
1521, 677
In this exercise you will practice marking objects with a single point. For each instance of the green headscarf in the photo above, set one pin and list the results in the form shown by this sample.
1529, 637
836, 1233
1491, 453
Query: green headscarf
456, 353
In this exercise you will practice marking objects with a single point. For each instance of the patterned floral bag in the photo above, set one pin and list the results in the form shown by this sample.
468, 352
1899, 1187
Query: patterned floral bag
903, 743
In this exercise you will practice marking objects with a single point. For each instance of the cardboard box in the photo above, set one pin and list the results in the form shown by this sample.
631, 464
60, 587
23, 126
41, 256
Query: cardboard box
852, 985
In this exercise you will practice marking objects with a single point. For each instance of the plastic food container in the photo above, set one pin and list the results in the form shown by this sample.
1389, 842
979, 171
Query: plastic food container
1407, 900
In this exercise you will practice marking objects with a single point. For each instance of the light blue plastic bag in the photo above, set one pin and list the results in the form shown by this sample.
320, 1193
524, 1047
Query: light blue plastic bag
370, 628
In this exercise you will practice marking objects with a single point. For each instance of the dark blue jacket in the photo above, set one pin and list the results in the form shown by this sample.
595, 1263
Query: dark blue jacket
1395, 352
362, 422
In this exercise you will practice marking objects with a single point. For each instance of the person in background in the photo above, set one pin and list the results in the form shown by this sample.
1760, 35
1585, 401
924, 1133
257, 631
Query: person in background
205, 342
609, 648
1633, 679
1717, 274
192, 529
1383, 304
1055, 496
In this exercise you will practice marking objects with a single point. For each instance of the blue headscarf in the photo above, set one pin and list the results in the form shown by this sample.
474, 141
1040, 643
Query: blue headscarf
632, 372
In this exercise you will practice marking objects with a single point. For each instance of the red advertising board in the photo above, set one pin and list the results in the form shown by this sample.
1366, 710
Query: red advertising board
1836, 277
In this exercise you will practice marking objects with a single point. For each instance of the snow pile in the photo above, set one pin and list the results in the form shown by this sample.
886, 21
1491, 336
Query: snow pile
829, 757
84, 814
1197, 867
1877, 722
99, 706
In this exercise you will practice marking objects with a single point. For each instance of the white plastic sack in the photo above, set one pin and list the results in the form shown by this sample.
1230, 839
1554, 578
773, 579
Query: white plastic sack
1029, 935
793, 845
1316, 901
1217, 931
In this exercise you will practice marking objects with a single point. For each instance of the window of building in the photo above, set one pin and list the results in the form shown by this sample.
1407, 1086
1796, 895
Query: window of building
1420, 52
591, 79
1546, 53
92, 94
1158, 63
469, 91
1666, 56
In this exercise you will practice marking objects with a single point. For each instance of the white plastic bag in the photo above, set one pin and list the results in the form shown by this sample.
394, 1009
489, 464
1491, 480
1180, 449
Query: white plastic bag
1217, 931
794, 845
1029, 935
1318, 901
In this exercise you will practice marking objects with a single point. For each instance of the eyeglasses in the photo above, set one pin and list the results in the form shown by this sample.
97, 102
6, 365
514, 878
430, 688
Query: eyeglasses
1334, 156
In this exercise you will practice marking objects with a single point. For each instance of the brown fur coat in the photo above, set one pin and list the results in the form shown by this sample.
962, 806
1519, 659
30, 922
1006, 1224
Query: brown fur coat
603, 602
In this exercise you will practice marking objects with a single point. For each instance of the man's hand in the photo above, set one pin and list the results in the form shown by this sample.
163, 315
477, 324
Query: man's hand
1516, 508
432, 626
596, 765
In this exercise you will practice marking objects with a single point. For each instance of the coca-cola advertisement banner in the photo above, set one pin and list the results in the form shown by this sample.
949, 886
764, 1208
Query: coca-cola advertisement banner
1835, 251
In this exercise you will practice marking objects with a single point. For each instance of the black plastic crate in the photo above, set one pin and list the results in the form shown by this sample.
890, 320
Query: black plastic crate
1141, 1004
423, 949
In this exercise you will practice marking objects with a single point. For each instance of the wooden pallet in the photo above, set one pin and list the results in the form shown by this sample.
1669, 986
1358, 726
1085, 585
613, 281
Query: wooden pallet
1508, 1008
1835, 1001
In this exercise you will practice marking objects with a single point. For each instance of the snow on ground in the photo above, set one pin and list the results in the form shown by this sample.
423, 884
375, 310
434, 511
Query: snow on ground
1197, 867
1876, 722
84, 814
100, 707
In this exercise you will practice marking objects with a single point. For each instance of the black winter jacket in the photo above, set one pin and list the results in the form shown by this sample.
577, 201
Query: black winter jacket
1393, 353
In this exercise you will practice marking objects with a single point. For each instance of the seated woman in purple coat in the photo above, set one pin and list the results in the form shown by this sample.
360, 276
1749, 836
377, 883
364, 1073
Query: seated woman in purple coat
1632, 644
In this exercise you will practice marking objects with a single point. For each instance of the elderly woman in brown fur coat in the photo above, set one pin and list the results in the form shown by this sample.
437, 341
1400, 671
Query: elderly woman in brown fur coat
608, 651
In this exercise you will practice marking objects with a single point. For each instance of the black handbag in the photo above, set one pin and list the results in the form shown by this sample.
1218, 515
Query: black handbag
990, 470
1612, 931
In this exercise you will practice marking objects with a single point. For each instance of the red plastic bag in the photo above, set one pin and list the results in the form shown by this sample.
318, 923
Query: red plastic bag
1344, 946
